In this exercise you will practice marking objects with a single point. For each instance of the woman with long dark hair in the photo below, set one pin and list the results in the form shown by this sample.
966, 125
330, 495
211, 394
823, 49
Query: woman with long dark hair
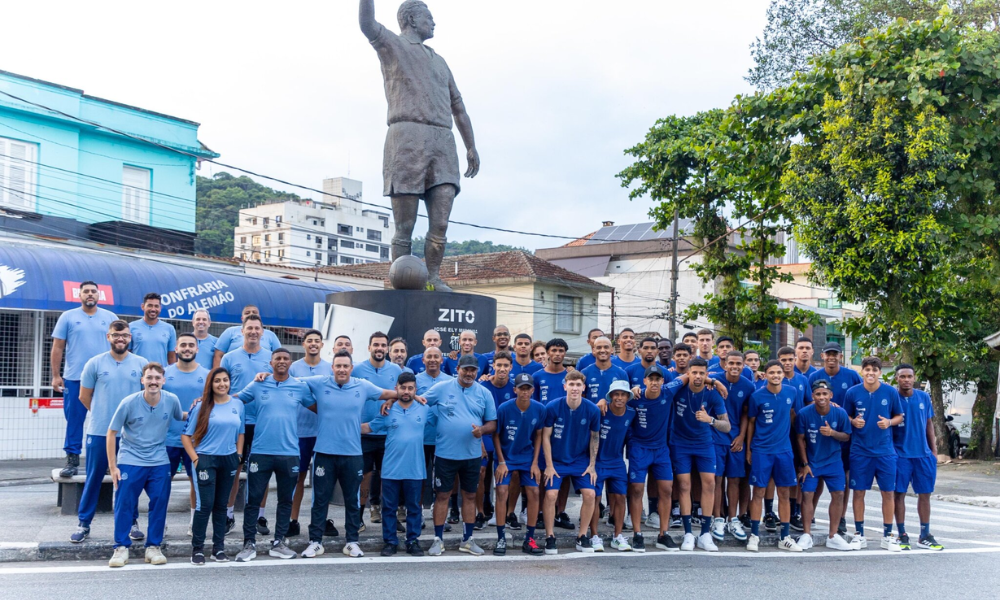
213, 440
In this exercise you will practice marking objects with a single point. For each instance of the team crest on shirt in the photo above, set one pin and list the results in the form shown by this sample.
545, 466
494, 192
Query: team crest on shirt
357, 394
583, 421
843, 386
165, 416
234, 411
124, 476
740, 395
135, 373
663, 401
203, 475
885, 402
253, 467
788, 400
921, 406
320, 471
264, 395
533, 421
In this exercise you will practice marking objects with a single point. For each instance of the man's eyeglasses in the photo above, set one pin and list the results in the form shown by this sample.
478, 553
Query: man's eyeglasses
120, 336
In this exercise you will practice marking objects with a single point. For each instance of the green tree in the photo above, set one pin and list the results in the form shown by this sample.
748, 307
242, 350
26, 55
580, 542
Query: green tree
697, 165
797, 30
466, 247
219, 201
893, 174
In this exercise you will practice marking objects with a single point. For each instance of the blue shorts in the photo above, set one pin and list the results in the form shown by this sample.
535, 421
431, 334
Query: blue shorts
488, 459
779, 466
832, 474
721, 460
526, 479
736, 464
643, 460
684, 457
575, 474
614, 476
921, 472
306, 446
864, 469
177, 456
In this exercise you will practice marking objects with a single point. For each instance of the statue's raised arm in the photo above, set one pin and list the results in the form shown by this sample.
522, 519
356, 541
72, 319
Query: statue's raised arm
369, 26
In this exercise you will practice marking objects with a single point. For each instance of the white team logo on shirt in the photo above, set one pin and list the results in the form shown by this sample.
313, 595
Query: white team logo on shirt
843, 385
124, 476
740, 395
788, 400
253, 467
921, 406
203, 475
320, 471
885, 402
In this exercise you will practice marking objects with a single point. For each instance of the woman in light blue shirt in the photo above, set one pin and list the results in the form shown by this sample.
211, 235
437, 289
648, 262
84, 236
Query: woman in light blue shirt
213, 439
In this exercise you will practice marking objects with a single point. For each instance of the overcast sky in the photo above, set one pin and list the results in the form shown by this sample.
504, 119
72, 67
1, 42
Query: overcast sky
556, 89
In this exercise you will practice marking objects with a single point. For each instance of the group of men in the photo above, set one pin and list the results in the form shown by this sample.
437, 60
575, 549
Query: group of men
472, 427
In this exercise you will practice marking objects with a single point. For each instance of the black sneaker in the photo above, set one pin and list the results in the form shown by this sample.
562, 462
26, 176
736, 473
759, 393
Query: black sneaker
665, 542
72, 466
530, 546
513, 523
453, 516
583, 544
331, 529
771, 522
262, 528
638, 543
842, 527
563, 522
480, 522
230, 523
904, 541
745, 520
540, 522
400, 527
501, 548
447, 528
220, 556
414, 549
550, 545
136, 534
197, 557
488, 509
928, 542
603, 510
293, 528
388, 550
796, 523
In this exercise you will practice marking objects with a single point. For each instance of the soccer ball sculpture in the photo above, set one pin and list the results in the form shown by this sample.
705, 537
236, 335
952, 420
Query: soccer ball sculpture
408, 273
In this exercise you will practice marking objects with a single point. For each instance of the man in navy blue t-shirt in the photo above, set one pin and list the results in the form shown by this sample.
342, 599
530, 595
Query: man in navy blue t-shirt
786, 355
730, 457
916, 445
588, 359
600, 374
874, 408
820, 430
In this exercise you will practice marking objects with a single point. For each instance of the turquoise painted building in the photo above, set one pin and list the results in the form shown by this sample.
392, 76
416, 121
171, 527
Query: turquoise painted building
55, 165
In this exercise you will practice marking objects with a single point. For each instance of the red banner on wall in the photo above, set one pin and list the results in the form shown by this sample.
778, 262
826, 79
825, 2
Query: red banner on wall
36, 403
71, 291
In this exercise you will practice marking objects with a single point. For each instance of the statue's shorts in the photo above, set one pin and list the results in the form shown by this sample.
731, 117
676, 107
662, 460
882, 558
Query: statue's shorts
419, 157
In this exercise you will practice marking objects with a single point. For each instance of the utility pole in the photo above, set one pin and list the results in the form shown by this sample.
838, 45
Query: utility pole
673, 280
613, 292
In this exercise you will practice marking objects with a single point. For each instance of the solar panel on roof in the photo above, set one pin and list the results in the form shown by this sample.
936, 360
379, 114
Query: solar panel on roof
637, 232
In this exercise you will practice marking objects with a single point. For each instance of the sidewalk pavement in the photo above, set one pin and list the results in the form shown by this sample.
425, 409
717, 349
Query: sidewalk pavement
34, 529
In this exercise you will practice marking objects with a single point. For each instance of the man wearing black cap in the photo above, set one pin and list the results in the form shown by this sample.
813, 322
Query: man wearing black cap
840, 379
820, 430
517, 443
465, 412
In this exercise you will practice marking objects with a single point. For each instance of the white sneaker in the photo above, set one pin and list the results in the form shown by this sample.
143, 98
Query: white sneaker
353, 550
837, 542
155, 557
688, 544
805, 541
891, 543
706, 543
119, 558
787, 543
858, 542
737, 531
313, 550
621, 544
719, 529
597, 543
493, 521
753, 543
653, 521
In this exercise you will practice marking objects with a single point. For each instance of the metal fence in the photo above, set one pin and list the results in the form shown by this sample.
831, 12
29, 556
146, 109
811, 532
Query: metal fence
32, 430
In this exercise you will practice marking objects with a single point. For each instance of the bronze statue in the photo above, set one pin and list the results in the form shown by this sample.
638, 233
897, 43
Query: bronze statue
421, 159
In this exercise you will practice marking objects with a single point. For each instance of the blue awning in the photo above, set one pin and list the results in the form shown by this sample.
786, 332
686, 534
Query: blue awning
49, 279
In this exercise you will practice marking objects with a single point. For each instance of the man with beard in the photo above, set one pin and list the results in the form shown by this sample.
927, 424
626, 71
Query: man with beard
152, 338
232, 337
200, 322
311, 365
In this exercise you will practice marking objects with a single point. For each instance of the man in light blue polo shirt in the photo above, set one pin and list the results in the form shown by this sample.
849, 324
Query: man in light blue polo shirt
232, 337
152, 338
200, 323
465, 412
339, 401
431, 375
186, 380
378, 370
243, 364
106, 379
80, 334
309, 366
404, 465
143, 418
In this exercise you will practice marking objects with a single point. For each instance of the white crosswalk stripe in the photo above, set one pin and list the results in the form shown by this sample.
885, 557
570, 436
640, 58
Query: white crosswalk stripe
946, 517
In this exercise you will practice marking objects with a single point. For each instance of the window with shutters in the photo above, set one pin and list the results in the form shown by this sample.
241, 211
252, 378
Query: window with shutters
18, 174
135, 195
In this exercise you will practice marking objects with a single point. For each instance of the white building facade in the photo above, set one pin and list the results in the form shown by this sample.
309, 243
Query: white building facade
337, 231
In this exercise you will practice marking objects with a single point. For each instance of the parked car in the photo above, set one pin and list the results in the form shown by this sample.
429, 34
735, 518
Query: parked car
958, 416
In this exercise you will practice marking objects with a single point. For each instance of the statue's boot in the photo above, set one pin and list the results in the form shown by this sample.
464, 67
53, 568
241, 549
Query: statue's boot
433, 255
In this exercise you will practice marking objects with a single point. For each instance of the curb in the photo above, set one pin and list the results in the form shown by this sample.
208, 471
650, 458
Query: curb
28, 481
180, 549
982, 501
